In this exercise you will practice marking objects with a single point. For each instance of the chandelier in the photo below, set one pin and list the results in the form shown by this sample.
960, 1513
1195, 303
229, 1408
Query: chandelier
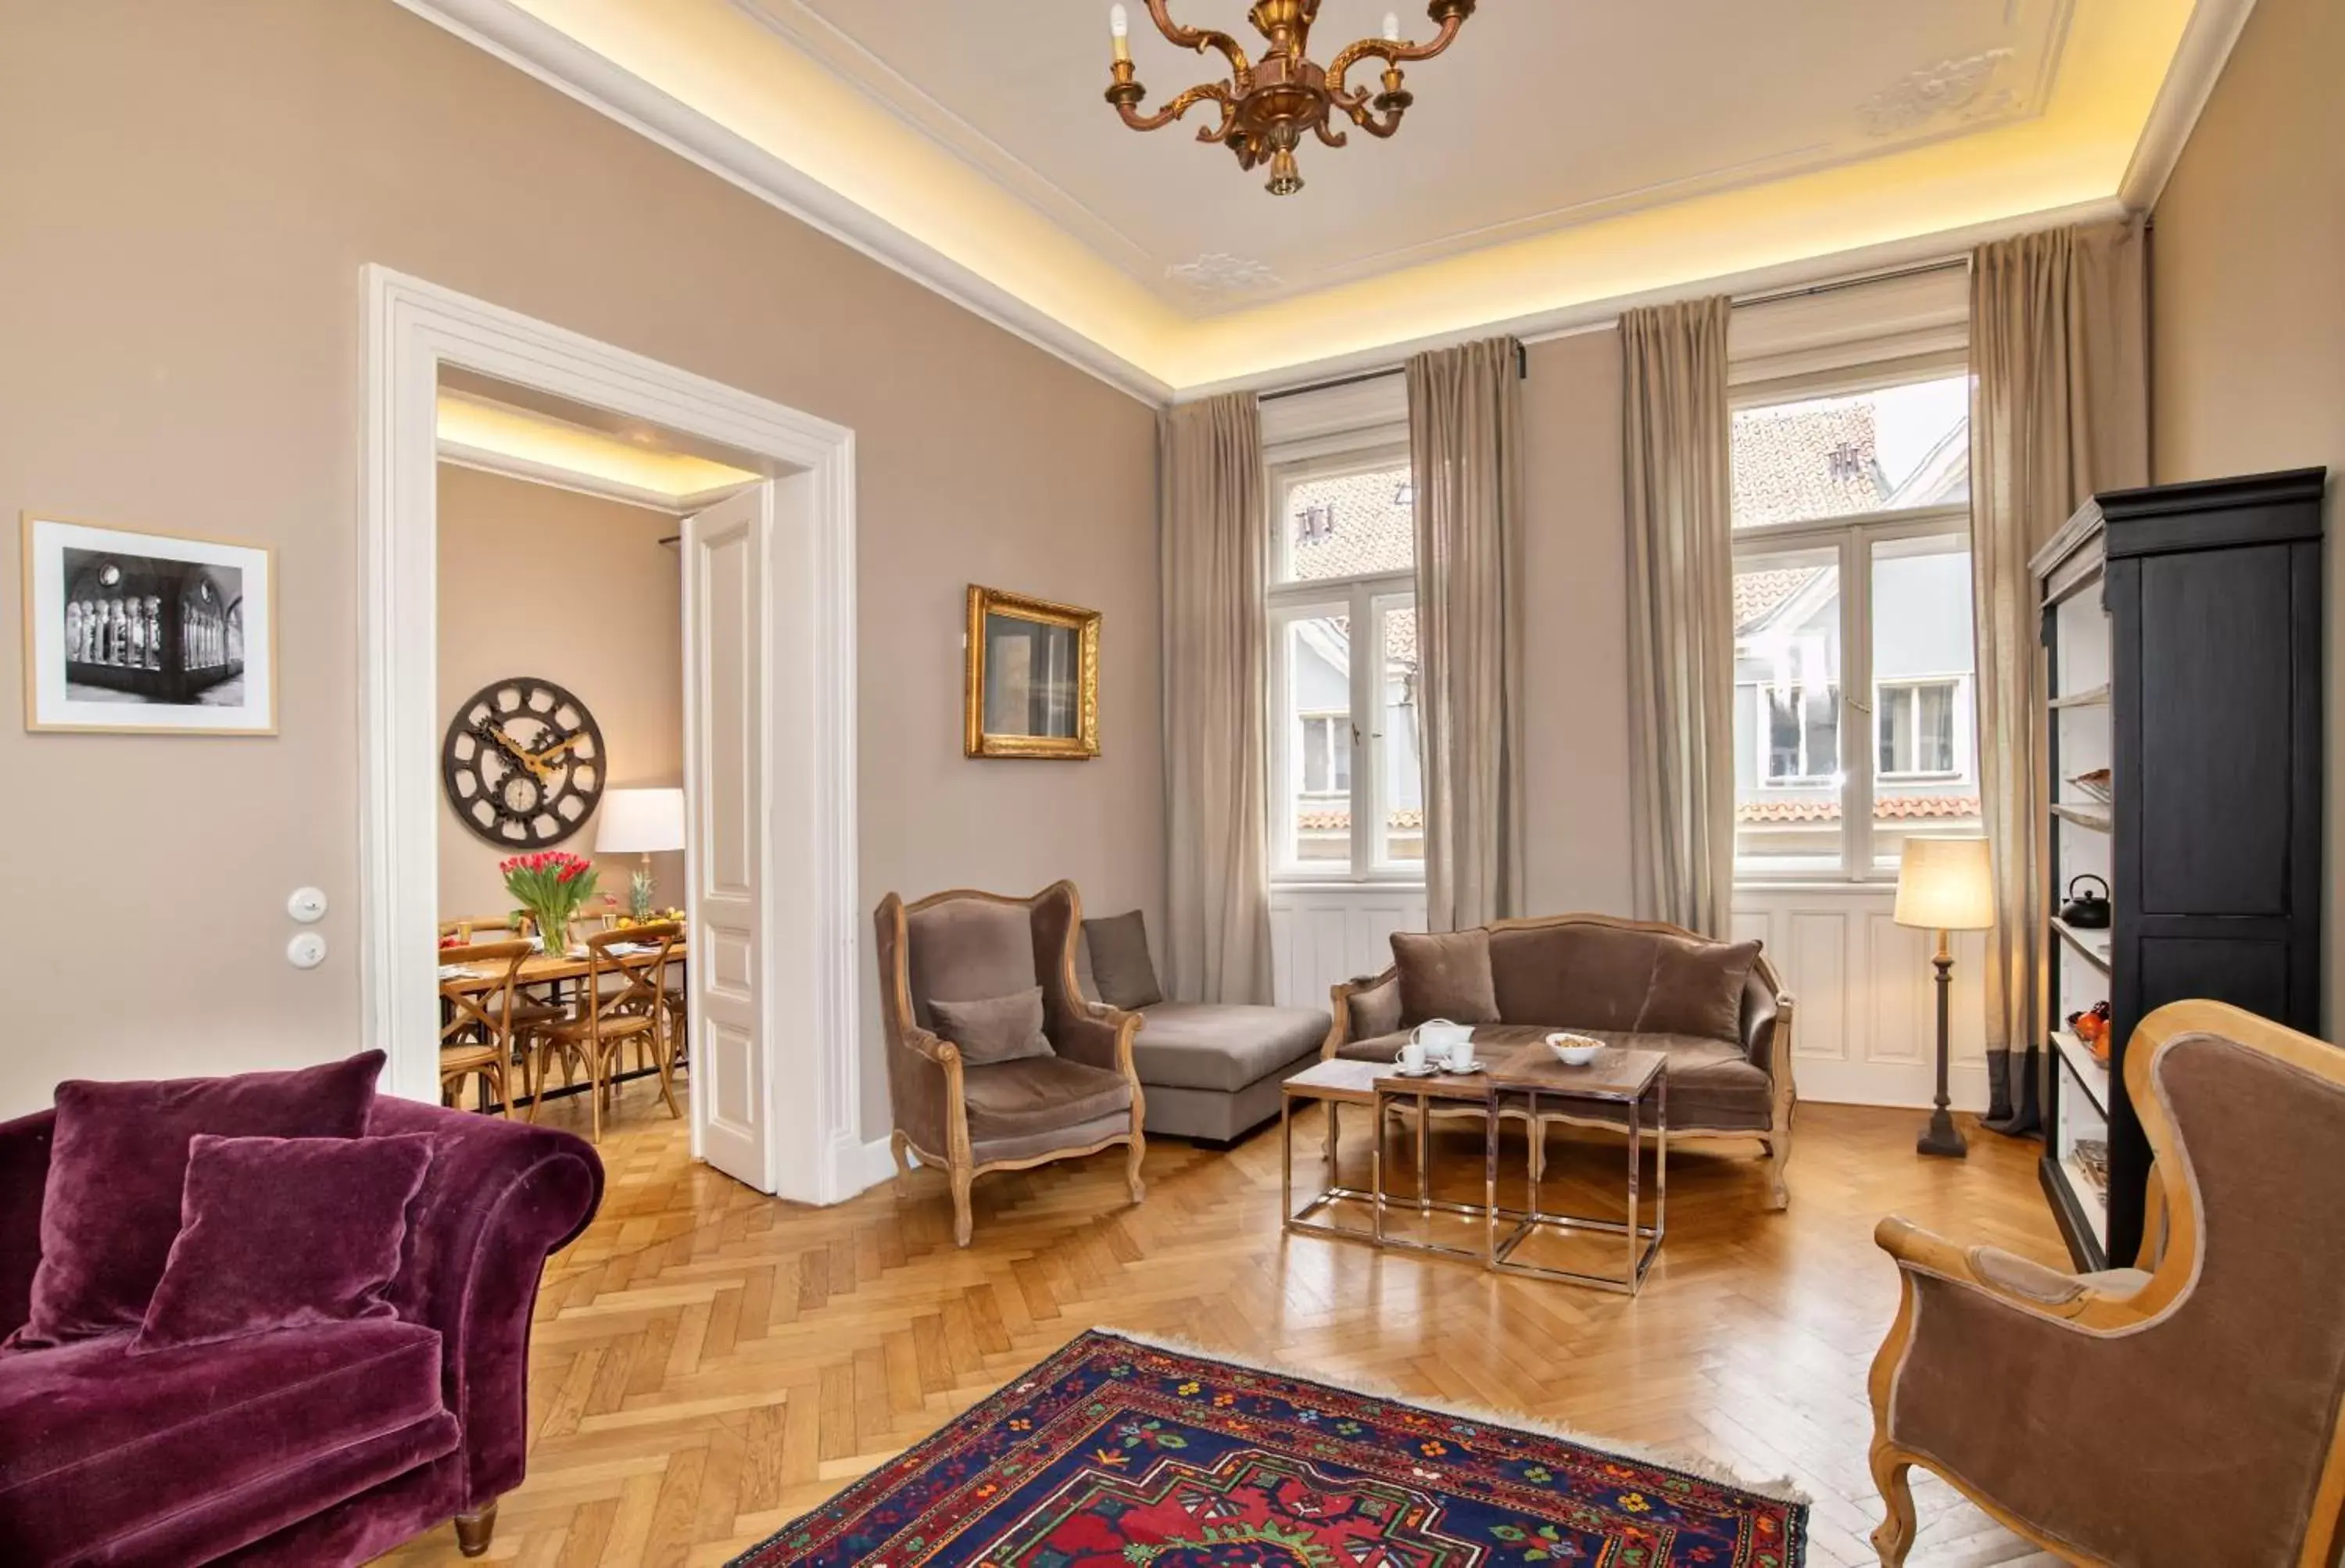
1267, 108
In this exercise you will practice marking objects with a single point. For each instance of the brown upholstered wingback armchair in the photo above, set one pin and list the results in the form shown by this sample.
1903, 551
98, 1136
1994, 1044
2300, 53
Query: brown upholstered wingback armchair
2188, 1415
968, 1118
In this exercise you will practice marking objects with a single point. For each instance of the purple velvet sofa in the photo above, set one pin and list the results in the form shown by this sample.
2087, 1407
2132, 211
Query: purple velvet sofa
306, 1446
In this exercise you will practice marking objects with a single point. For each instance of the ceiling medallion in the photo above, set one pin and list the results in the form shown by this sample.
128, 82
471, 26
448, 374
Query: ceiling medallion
1220, 273
1266, 108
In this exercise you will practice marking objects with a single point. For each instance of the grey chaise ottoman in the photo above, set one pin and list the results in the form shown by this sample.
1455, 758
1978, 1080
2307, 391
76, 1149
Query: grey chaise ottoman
1207, 1070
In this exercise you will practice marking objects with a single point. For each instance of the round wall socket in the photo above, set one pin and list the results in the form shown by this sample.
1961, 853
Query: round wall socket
307, 950
307, 905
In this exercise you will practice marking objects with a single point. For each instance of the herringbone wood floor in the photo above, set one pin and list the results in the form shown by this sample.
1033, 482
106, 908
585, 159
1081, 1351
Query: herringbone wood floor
709, 1363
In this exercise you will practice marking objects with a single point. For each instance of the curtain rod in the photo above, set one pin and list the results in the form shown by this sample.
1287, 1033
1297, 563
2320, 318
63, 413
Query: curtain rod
1919, 269
1522, 371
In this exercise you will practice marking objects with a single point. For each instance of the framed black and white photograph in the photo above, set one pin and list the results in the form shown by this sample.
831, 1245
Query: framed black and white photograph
146, 633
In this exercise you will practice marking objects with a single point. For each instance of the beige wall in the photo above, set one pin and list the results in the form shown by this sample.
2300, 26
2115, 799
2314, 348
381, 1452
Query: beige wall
1575, 638
2247, 300
190, 192
620, 650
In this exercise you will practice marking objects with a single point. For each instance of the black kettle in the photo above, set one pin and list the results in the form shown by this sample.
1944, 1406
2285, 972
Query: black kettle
2087, 911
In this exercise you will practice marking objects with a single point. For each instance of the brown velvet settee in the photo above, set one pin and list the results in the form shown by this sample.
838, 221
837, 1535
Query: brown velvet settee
2184, 1417
1077, 1098
1629, 983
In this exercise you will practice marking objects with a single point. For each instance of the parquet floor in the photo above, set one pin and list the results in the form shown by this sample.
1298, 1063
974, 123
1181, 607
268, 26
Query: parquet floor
709, 1363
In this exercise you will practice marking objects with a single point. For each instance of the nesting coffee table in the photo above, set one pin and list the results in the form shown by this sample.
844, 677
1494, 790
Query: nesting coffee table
1514, 1080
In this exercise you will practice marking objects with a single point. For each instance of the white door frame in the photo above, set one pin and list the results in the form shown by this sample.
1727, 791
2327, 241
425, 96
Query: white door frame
414, 327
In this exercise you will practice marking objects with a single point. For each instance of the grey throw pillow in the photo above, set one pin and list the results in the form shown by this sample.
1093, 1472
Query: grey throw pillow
996, 1029
1119, 963
1445, 976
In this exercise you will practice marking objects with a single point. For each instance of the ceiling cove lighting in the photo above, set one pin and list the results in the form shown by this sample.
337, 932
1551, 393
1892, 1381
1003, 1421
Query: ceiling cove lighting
1266, 108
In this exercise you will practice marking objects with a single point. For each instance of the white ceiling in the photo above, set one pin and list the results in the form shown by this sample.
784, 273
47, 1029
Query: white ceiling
1546, 115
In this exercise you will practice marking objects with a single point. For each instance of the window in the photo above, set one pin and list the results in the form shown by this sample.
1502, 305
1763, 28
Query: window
1854, 706
1802, 734
1326, 753
1347, 797
1917, 721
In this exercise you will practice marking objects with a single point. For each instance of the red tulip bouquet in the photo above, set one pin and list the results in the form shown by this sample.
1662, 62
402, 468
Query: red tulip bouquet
551, 885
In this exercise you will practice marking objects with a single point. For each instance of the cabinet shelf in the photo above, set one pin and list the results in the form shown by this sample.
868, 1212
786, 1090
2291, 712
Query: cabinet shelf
2083, 817
2091, 696
2092, 946
2089, 1074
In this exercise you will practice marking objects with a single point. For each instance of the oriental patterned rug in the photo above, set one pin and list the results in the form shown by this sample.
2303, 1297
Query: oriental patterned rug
1117, 1453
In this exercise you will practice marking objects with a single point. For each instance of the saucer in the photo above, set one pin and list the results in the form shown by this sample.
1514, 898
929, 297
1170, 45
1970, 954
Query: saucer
1439, 1070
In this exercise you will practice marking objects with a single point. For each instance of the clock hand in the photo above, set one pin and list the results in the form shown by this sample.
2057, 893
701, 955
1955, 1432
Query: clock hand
559, 747
513, 749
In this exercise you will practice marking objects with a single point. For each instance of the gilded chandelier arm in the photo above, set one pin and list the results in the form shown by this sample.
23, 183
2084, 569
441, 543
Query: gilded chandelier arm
1452, 16
1201, 40
1128, 105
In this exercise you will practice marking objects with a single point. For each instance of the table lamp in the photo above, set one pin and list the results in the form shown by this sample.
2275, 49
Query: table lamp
1944, 885
640, 822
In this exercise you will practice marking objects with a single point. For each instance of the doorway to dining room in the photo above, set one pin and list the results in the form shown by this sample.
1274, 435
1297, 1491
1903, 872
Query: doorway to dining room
609, 613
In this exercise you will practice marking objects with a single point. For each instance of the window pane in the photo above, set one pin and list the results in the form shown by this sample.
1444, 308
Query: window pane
1925, 709
1886, 451
1349, 526
1318, 710
1400, 752
1787, 709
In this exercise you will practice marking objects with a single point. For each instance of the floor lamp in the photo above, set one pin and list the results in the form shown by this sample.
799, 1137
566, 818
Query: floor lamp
1944, 885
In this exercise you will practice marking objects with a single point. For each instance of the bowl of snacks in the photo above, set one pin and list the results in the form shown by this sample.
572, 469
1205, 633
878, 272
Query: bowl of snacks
1574, 1050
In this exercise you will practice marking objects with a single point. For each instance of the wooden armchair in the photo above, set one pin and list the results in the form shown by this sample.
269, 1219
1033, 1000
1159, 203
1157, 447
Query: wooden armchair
969, 1118
624, 997
2185, 1415
477, 1039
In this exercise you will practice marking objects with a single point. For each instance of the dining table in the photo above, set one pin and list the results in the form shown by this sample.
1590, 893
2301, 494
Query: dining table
555, 973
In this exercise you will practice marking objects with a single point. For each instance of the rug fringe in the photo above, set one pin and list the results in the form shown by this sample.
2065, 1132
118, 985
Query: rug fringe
1780, 1490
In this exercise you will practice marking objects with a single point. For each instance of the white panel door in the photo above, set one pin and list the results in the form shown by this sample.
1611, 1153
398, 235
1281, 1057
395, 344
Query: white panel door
726, 552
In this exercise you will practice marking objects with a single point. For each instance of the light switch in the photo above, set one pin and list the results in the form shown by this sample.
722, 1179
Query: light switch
307, 950
307, 905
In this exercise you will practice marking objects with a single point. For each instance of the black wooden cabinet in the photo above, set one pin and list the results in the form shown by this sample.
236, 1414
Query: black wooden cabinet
2212, 595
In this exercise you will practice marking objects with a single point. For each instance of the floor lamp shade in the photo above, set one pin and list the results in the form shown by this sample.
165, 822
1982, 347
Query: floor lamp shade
639, 822
1944, 884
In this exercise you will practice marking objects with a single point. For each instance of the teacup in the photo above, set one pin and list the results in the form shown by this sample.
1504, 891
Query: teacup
1461, 1054
1412, 1056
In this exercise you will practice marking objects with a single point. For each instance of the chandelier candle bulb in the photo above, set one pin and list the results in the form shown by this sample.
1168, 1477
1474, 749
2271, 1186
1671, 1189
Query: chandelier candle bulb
1118, 26
1392, 26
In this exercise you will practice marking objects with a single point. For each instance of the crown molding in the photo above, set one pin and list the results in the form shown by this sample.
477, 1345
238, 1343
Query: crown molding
503, 29
2207, 40
1598, 315
578, 482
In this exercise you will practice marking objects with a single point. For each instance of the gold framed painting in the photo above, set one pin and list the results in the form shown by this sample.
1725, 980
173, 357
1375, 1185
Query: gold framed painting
140, 633
1033, 686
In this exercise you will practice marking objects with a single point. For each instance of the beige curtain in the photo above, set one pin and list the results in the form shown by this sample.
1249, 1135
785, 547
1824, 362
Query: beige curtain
1680, 613
1215, 546
1466, 448
2059, 410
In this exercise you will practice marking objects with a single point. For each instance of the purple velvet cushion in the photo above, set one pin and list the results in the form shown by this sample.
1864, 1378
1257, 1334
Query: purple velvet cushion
284, 1233
118, 1163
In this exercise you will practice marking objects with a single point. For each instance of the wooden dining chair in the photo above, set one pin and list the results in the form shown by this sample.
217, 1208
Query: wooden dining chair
477, 1039
623, 998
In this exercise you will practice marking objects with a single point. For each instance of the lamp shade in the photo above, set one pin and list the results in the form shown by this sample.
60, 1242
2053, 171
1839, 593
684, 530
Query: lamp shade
639, 821
1945, 884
